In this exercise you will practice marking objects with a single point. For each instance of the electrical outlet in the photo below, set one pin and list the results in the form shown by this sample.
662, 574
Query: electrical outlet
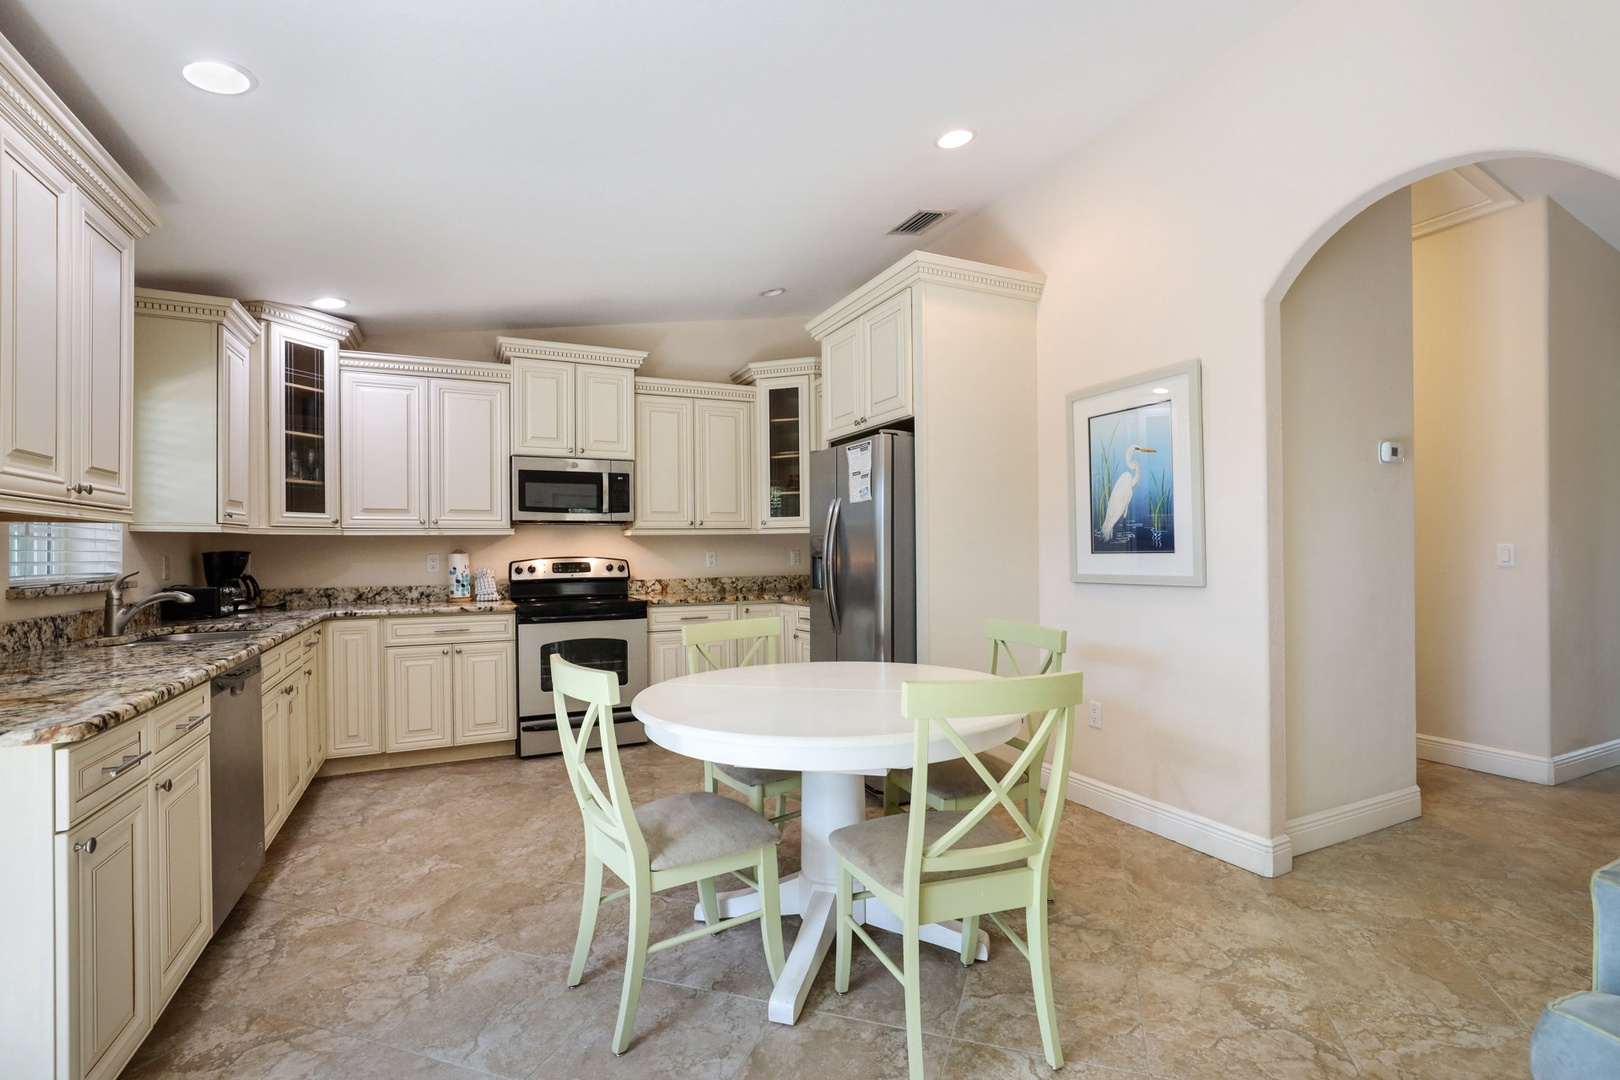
794, 556
1096, 714
433, 564
710, 560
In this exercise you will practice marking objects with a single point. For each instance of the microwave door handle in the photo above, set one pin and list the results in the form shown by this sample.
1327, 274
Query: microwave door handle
831, 562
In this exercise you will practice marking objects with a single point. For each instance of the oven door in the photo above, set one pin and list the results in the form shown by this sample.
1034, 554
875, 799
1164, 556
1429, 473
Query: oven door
616, 645
571, 490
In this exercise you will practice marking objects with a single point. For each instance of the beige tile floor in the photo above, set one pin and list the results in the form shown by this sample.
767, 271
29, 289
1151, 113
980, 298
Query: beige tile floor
417, 924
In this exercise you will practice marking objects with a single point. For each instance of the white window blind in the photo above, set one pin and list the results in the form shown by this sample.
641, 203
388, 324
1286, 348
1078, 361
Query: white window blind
55, 552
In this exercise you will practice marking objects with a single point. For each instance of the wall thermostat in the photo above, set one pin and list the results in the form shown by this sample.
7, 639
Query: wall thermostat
1391, 453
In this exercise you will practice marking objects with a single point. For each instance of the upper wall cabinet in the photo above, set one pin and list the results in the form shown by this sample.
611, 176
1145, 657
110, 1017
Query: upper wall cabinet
300, 365
195, 466
694, 456
784, 420
571, 400
425, 445
68, 219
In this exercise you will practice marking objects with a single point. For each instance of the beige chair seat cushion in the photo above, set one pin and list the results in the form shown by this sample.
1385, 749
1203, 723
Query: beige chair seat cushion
755, 777
696, 826
877, 848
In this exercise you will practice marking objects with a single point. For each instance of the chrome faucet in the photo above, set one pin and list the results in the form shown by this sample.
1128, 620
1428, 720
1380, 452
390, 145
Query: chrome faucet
115, 616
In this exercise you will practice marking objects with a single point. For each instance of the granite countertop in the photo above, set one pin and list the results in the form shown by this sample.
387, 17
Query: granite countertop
666, 601
68, 693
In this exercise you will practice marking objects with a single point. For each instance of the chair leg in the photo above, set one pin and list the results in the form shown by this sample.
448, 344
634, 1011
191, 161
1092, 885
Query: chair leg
756, 800
1040, 971
589, 903
635, 963
710, 783
845, 936
911, 965
970, 939
770, 917
708, 896
891, 795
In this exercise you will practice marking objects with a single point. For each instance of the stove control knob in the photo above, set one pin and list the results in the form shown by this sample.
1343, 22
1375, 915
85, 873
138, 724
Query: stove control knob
516, 570
532, 570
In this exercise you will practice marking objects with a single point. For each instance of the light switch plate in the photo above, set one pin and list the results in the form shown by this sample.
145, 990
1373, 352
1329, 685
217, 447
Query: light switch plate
1506, 556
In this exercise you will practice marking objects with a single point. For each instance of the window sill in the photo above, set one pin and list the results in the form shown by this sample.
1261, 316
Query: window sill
58, 588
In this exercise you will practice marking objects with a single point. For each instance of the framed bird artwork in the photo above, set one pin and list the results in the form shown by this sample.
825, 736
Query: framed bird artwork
1137, 480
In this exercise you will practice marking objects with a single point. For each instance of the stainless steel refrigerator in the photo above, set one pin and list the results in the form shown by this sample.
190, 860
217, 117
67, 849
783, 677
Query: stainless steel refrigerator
863, 553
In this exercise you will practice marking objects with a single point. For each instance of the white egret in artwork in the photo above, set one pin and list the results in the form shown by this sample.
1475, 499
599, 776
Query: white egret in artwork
1124, 488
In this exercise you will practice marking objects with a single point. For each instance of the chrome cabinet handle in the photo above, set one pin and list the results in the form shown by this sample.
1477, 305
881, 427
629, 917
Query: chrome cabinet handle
311, 643
446, 650
129, 762
289, 689
191, 723
167, 785
87, 847
454, 630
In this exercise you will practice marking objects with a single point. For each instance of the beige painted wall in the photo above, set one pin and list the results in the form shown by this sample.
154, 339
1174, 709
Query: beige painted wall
1583, 390
1347, 384
1175, 235
1480, 345
704, 351
142, 551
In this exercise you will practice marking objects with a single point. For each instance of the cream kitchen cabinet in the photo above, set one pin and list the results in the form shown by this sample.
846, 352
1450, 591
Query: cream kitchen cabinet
182, 879
867, 367
425, 445
784, 422
294, 725
694, 456
571, 400
449, 682
194, 426
354, 687
302, 448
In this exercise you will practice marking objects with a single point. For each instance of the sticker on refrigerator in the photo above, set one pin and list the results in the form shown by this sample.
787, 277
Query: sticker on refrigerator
860, 472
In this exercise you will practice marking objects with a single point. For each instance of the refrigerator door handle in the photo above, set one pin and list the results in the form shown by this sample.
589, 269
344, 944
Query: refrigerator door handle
829, 547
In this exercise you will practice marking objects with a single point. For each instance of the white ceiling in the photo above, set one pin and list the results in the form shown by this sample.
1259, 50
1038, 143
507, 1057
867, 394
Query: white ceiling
521, 163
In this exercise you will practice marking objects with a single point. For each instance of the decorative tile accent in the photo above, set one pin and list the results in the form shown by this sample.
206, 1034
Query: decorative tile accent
785, 588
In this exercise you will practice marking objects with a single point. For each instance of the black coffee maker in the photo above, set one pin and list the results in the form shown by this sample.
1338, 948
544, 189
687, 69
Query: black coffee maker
227, 572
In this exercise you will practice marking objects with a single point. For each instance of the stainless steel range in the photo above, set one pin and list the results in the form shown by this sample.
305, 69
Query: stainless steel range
579, 609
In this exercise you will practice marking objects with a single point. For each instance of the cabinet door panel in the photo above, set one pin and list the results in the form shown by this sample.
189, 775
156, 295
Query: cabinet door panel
486, 702
383, 454
606, 411
109, 978
843, 377
887, 332
235, 477
36, 370
105, 351
470, 468
666, 657
304, 436
292, 748
354, 687
183, 893
543, 416
724, 464
274, 718
420, 705
664, 462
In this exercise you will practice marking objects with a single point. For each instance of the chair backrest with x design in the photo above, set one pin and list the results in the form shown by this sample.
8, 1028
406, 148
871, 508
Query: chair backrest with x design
698, 637
607, 811
1050, 645
933, 705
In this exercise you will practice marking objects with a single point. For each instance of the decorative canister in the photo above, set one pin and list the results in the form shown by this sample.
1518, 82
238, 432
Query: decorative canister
460, 577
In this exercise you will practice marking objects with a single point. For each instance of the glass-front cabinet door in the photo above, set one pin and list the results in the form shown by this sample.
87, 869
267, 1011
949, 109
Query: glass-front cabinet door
783, 438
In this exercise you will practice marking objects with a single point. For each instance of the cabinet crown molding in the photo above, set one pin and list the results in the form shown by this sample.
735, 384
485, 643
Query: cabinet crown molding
750, 374
347, 333
424, 366
683, 388
189, 306
928, 268
29, 103
509, 349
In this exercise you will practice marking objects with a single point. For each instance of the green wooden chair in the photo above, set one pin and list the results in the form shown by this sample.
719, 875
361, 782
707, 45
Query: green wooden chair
955, 785
691, 837
757, 784
930, 865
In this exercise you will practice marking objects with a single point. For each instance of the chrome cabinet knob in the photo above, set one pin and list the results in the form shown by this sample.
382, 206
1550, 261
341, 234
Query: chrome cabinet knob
167, 785
87, 847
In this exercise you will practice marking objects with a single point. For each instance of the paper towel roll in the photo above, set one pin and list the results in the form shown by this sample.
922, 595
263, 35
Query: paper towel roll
460, 576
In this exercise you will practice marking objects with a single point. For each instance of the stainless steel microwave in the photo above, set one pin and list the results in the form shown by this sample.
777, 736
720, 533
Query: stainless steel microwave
571, 490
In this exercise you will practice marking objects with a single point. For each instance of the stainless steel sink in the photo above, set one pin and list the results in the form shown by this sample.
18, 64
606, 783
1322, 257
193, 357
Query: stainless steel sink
196, 637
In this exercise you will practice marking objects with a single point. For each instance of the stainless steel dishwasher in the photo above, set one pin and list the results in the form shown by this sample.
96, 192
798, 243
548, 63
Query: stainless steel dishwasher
236, 773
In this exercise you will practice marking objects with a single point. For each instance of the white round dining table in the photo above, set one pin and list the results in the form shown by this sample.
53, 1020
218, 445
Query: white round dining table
835, 722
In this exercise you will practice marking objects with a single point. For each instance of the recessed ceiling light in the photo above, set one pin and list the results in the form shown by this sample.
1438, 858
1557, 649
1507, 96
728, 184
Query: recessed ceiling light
219, 77
778, 291
1161, 389
953, 139
329, 303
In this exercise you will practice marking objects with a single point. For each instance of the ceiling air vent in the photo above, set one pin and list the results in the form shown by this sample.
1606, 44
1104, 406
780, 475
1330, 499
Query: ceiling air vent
921, 221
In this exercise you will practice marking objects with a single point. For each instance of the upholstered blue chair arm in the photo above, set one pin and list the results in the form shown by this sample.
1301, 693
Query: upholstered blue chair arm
1606, 929
1577, 1038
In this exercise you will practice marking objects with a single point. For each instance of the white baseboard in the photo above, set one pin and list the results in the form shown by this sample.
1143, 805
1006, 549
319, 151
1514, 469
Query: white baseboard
1579, 763
1254, 853
1339, 823
1517, 766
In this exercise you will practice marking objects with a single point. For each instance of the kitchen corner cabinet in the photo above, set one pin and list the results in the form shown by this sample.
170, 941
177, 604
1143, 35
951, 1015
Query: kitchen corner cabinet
354, 687
784, 420
195, 469
449, 682
571, 400
694, 456
425, 445
300, 349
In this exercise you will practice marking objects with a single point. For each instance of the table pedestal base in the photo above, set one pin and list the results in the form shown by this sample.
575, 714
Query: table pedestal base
831, 801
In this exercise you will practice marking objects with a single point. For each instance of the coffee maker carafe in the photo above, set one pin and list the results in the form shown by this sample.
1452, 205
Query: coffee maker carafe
227, 571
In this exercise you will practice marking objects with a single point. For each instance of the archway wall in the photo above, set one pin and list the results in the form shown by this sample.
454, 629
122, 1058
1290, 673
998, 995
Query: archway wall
1175, 235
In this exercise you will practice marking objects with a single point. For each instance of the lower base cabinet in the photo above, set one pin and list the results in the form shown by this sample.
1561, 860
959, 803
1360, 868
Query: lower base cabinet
294, 722
354, 687
183, 882
666, 656
442, 694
